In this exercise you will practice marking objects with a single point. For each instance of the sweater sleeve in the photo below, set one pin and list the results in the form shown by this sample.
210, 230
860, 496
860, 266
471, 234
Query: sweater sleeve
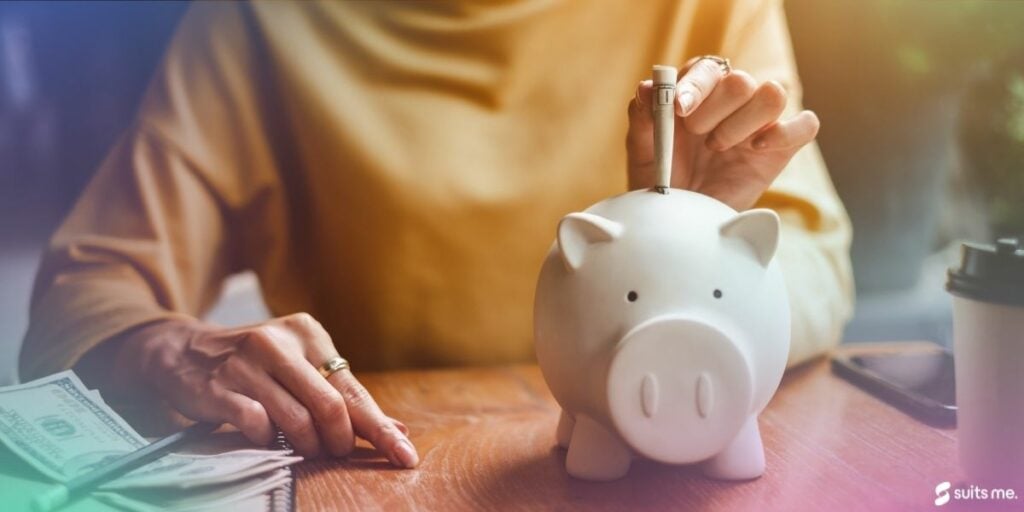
155, 232
814, 245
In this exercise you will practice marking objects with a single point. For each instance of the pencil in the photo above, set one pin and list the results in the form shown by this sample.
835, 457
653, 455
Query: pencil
62, 494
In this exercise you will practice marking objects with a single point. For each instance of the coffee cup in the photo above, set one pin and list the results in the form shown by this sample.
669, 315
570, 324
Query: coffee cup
988, 344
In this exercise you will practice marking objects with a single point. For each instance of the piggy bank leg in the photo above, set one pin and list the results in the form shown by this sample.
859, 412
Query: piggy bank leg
595, 453
742, 459
564, 431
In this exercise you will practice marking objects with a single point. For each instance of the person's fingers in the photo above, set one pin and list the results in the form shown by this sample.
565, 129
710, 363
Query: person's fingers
764, 108
246, 414
372, 424
792, 133
401, 426
322, 400
640, 138
299, 375
367, 418
284, 409
218, 405
696, 85
734, 91
290, 416
316, 343
642, 96
640, 134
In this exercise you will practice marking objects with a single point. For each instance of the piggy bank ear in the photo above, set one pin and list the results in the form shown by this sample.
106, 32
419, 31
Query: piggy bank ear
578, 231
759, 228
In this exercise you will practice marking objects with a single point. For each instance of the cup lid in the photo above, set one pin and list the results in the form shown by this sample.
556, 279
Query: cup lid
990, 273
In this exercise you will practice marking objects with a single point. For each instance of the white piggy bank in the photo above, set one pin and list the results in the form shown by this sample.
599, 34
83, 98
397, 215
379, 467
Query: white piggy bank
662, 329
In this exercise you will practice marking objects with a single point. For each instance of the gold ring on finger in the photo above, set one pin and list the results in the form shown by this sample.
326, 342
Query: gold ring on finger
721, 61
333, 365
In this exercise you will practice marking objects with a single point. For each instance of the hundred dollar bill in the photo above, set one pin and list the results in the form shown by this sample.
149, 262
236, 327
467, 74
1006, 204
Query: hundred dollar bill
61, 428
232, 496
186, 471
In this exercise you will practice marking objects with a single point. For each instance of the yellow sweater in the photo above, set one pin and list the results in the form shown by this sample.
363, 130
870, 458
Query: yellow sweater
397, 170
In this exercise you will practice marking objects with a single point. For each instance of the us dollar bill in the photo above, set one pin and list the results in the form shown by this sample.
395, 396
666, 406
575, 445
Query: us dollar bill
231, 496
61, 428
188, 471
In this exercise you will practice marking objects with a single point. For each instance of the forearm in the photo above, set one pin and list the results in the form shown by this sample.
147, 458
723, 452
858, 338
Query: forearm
73, 314
147, 241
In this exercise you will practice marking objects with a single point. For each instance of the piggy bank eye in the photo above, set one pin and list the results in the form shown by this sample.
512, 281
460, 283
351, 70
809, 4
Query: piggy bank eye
718, 293
631, 296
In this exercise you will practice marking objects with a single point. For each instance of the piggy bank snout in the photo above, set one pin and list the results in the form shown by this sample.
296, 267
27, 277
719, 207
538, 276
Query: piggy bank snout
678, 390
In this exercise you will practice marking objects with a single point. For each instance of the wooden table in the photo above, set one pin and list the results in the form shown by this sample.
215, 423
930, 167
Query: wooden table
486, 440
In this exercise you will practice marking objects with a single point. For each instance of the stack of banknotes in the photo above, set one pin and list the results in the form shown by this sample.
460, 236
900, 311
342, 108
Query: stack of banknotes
63, 430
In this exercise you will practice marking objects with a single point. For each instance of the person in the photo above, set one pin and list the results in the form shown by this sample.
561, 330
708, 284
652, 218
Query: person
393, 173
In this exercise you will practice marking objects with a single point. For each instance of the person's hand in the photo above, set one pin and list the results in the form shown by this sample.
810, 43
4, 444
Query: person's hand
730, 142
259, 376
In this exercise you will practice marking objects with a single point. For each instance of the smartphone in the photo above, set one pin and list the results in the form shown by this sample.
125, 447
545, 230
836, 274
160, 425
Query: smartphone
917, 381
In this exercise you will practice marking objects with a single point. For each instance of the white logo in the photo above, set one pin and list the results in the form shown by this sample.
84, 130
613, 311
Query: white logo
942, 491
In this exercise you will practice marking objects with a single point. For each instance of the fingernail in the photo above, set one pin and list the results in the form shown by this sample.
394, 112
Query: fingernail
759, 143
640, 101
686, 101
406, 454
